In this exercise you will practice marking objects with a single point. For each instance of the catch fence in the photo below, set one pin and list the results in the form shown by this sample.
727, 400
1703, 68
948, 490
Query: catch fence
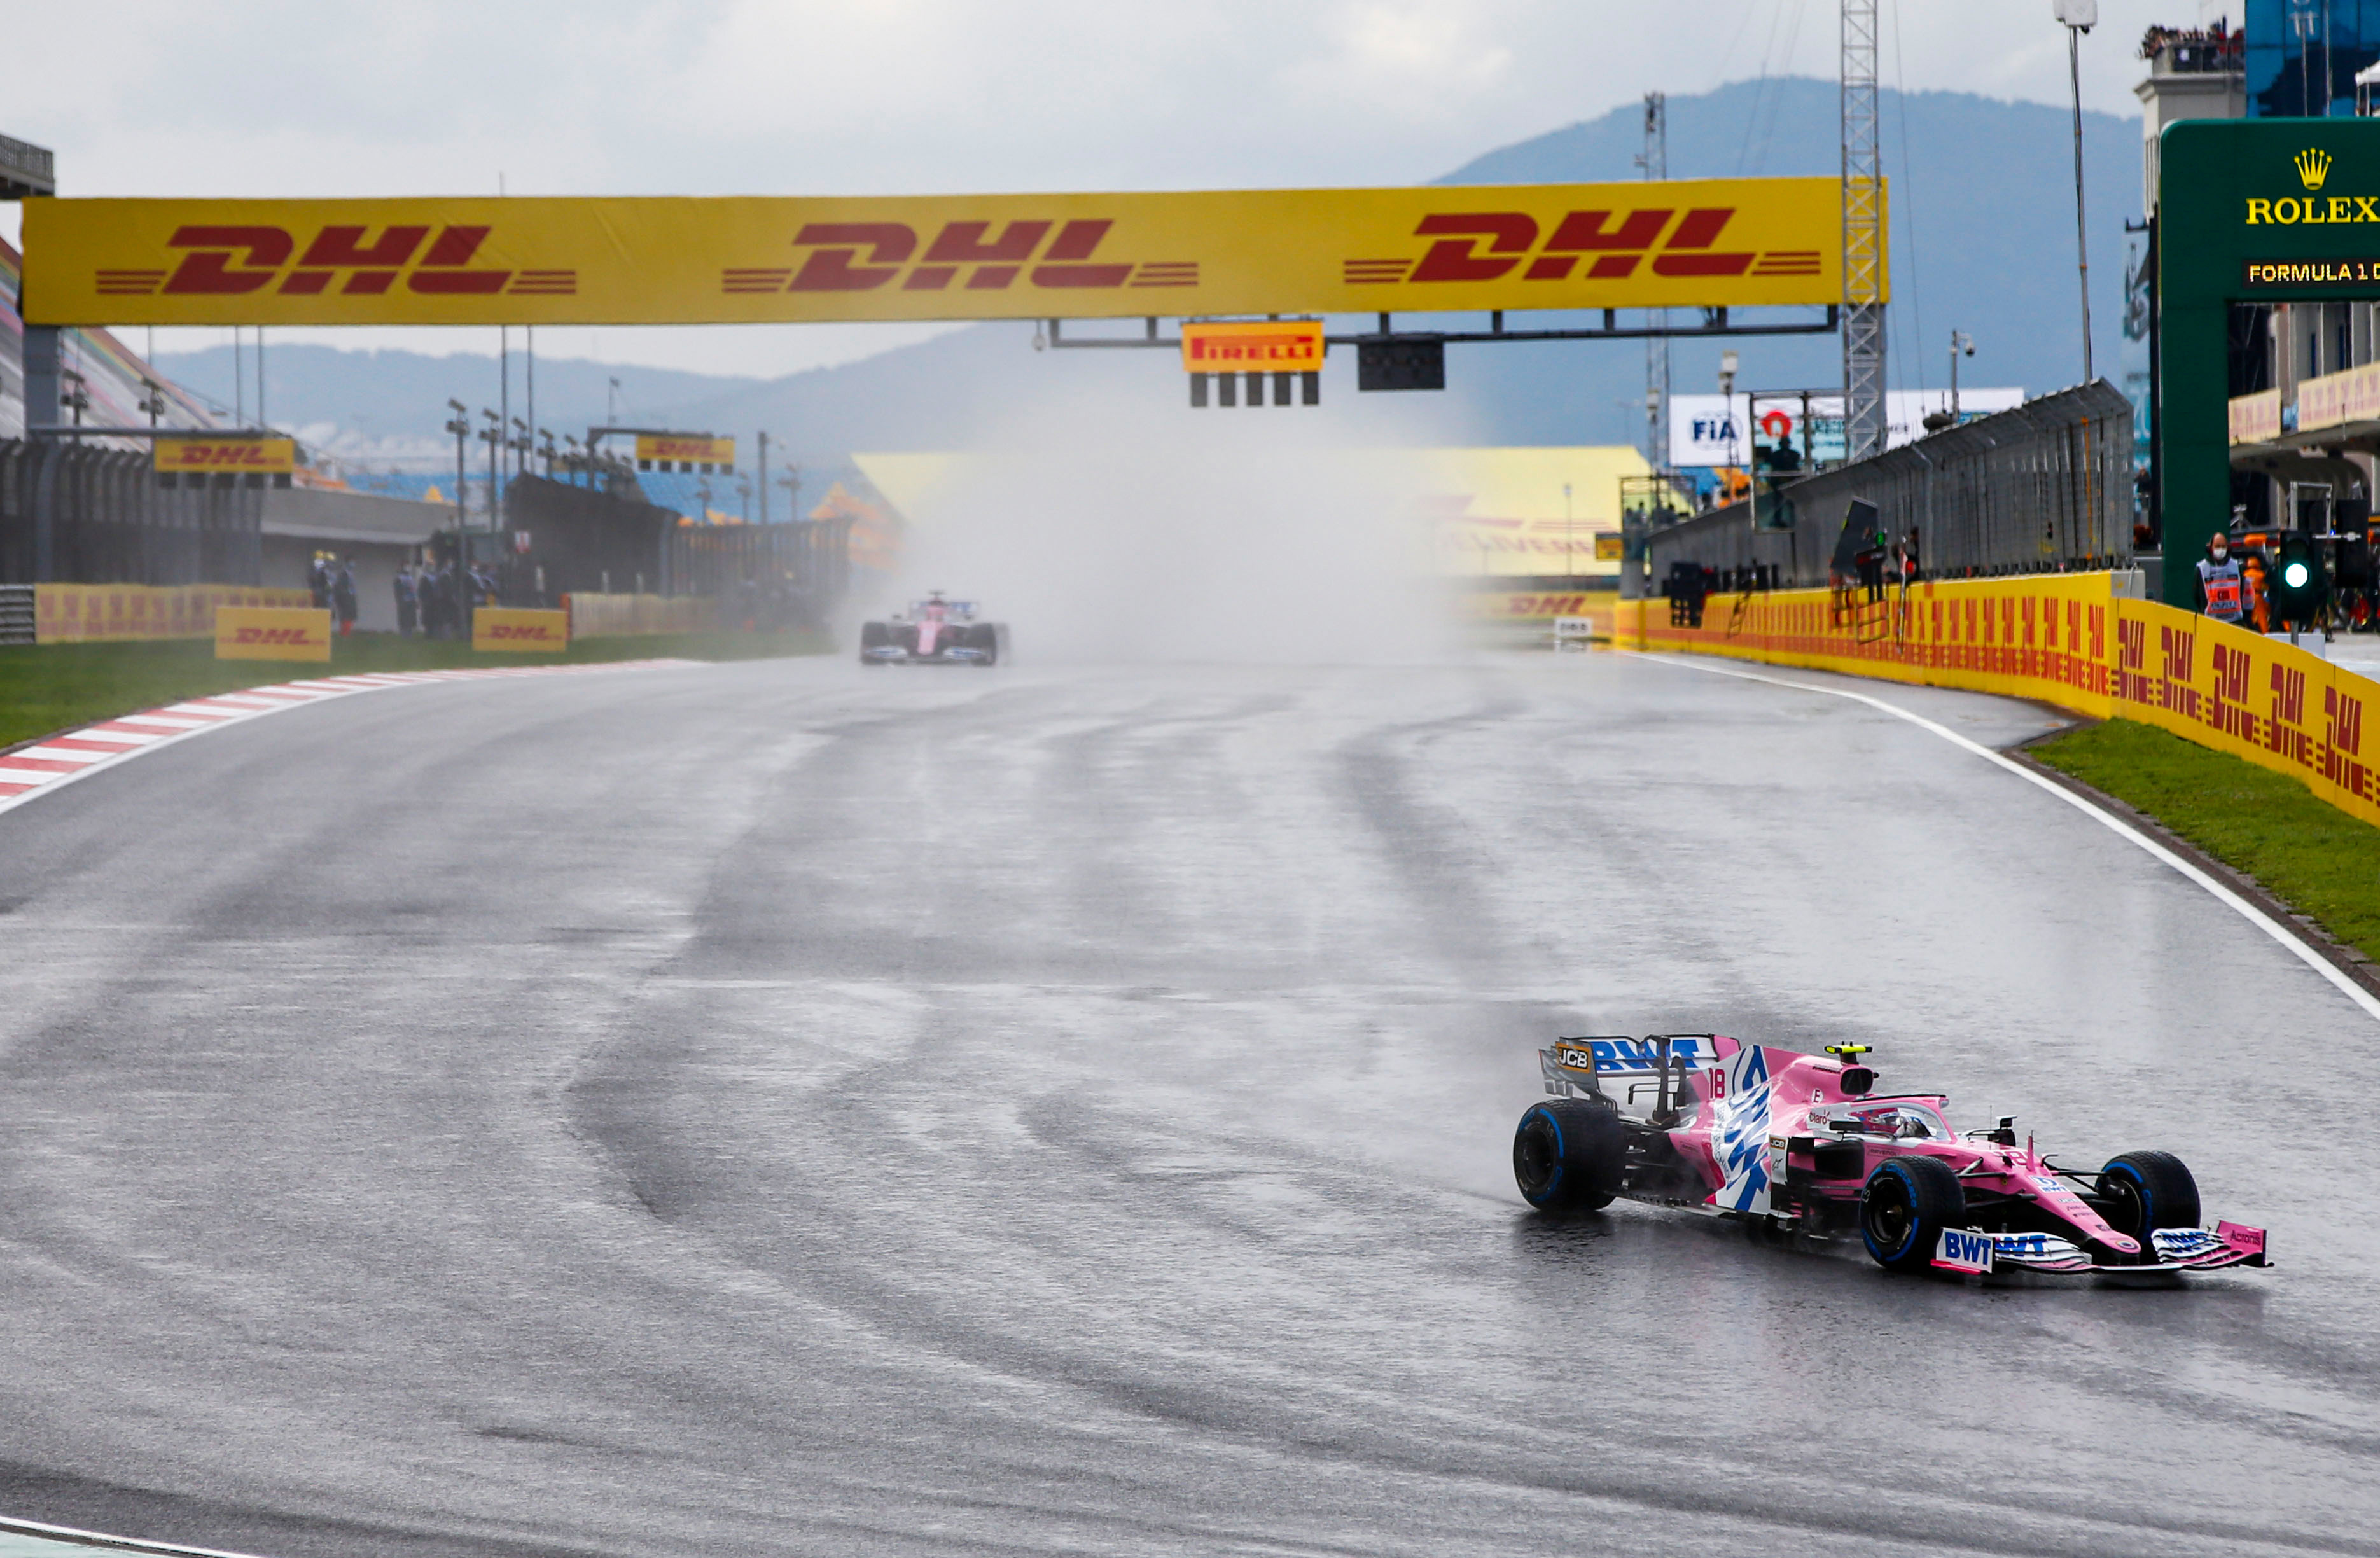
2045, 487
78, 512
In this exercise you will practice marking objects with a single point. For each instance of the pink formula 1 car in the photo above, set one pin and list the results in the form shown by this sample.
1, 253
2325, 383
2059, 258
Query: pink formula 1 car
1803, 1145
934, 632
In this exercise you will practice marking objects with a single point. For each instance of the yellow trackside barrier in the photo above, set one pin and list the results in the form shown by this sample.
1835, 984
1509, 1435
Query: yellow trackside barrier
509, 631
271, 633
89, 614
606, 616
2070, 640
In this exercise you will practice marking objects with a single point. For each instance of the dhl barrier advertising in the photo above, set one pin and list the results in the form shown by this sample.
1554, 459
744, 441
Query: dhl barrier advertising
509, 630
671, 448
2070, 640
1289, 346
263, 457
1723, 242
272, 633
613, 616
92, 613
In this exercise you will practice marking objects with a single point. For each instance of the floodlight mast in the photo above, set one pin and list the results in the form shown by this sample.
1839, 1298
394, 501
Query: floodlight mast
1864, 268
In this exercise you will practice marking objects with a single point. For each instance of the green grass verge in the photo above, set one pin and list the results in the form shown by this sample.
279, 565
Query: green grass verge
50, 686
2303, 849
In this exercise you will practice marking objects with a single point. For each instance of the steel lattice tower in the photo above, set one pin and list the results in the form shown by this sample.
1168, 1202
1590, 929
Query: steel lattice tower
1655, 164
1863, 238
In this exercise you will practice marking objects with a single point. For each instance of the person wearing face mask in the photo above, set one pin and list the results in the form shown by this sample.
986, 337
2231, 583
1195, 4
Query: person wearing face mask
2222, 592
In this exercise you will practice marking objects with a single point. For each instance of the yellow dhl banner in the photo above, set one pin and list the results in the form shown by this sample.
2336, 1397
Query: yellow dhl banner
2068, 640
673, 447
1535, 605
510, 630
90, 613
262, 456
1732, 242
272, 633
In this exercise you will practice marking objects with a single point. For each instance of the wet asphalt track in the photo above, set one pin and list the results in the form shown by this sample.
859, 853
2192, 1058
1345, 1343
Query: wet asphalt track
777, 1108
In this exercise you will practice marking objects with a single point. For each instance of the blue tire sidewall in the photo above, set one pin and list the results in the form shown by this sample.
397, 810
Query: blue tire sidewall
1553, 1186
1908, 1189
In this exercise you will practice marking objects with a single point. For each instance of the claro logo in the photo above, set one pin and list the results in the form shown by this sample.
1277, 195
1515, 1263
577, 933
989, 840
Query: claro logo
1610, 245
274, 636
968, 256
229, 260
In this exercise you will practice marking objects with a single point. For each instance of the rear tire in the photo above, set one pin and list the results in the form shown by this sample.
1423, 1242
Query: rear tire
1568, 1154
2141, 1192
1906, 1204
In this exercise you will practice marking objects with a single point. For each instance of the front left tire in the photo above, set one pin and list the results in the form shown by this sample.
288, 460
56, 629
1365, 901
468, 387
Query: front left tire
1906, 1204
2141, 1192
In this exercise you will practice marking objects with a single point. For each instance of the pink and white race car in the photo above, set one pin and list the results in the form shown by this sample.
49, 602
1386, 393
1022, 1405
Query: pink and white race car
1802, 1146
934, 632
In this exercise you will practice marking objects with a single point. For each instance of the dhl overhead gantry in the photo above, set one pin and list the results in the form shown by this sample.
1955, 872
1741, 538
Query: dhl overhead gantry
1279, 257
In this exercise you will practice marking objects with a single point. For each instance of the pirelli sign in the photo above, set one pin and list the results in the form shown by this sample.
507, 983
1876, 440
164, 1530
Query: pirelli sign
1713, 243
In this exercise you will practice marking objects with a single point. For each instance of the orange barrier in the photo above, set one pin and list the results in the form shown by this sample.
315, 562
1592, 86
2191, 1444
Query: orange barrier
2077, 640
87, 613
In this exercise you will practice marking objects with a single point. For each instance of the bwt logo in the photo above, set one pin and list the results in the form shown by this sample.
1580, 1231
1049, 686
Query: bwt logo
229, 260
273, 635
866, 256
1490, 245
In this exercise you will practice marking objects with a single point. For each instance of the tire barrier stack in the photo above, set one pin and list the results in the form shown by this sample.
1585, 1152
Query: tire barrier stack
2085, 642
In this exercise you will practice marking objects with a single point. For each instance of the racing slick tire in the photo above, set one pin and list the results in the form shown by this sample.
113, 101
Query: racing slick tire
873, 635
2141, 1192
1906, 1204
1568, 1154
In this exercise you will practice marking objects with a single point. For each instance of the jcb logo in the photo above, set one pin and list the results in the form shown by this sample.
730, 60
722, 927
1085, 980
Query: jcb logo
228, 260
864, 256
1490, 245
270, 635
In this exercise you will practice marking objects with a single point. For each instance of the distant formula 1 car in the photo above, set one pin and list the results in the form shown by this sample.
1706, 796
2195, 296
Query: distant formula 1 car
934, 632
1801, 1145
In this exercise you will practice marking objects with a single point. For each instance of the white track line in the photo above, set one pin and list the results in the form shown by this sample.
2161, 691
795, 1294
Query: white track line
97, 1539
2245, 909
45, 768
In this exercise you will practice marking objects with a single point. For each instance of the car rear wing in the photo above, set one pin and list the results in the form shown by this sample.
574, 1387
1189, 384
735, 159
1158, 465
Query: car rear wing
1655, 1065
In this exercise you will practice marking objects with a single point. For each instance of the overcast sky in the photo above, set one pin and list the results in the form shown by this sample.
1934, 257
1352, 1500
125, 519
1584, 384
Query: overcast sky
274, 97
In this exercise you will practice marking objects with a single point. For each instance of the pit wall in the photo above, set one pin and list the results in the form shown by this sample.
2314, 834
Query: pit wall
2078, 641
